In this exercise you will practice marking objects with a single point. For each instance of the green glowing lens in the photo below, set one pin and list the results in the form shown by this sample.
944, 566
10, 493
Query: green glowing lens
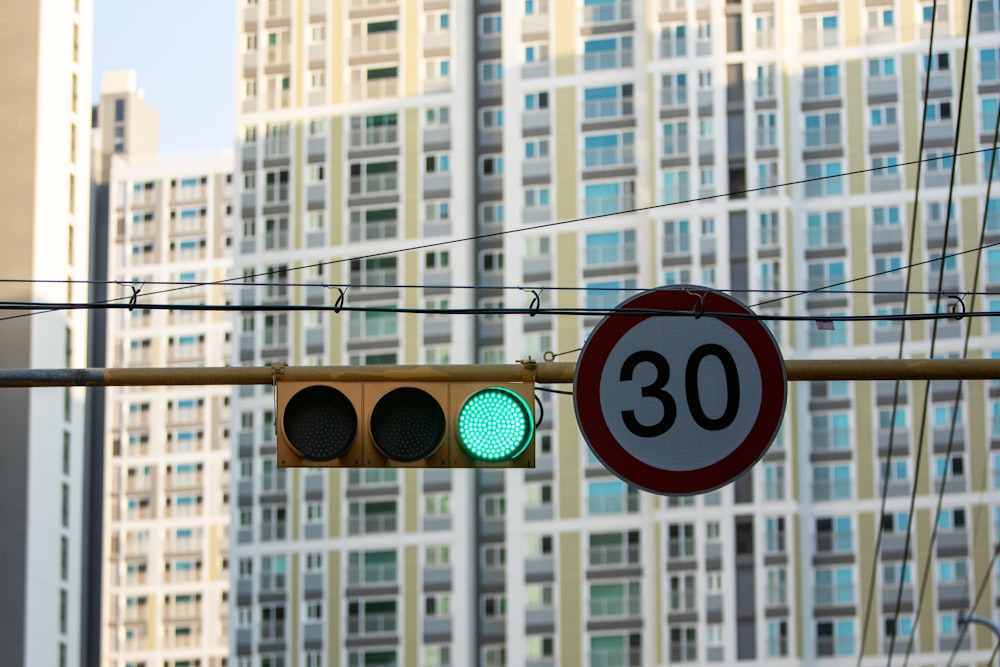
495, 424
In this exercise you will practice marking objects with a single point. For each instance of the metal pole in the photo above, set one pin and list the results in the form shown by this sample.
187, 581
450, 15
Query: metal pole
545, 373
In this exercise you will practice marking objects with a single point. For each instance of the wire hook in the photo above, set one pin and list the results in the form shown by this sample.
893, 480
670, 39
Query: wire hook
135, 293
953, 307
339, 303
536, 300
699, 307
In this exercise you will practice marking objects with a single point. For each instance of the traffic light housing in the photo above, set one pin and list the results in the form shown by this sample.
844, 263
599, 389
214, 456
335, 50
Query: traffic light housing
378, 424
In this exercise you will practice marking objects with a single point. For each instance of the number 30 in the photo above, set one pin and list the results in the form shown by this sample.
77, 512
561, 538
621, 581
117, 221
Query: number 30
669, 405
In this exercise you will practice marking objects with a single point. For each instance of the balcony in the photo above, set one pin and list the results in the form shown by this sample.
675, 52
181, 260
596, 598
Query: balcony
614, 657
185, 480
608, 157
600, 60
597, 505
375, 136
372, 575
437, 40
879, 36
616, 607
177, 545
614, 108
376, 523
183, 611
375, 184
374, 88
381, 6
372, 624
375, 44
278, 99
606, 205
603, 14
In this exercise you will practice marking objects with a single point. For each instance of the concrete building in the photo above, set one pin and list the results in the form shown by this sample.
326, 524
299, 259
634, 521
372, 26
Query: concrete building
121, 123
44, 204
166, 505
373, 126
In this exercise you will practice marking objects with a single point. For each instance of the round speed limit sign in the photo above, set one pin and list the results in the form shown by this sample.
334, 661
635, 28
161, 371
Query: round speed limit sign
680, 404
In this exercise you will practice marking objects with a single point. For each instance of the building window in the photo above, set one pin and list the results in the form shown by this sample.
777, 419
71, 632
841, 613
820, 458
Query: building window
819, 32
610, 248
834, 535
835, 638
607, 198
683, 644
607, 53
822, 130
676, 186
824, 179
821, 81
831, 482
777, 639
673, 90
608, 150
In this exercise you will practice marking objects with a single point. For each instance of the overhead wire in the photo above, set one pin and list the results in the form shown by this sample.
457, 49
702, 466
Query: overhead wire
935, 526
981, 515
194, 284
959, 386
530, 311
504, 232
132, 300
886, 468
586, 312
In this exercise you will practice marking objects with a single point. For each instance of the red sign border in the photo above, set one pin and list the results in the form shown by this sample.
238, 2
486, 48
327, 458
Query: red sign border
590, 416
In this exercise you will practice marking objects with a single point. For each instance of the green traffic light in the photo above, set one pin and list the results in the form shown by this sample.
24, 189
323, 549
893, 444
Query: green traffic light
495, 424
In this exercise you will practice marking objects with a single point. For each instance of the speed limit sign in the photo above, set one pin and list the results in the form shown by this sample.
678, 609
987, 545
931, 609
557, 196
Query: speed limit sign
683, 403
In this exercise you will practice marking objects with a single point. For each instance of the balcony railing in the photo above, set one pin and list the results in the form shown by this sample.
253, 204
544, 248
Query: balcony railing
372, 624
615, 607
375, 523
607, 13
598, 60
613, 556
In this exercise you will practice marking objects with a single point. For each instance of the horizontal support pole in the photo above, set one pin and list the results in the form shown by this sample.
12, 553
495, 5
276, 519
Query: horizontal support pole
544, 373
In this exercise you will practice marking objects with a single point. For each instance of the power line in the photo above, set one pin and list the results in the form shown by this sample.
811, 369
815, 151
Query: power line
585, 312
531, 287
39, 308
505, 232
896, 387
926, 396
933, 343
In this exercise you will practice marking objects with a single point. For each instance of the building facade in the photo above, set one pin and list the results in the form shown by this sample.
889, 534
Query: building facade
44, 203
166, 466
661, 134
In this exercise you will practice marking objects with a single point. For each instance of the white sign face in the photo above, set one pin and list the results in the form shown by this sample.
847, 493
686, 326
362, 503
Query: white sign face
680, 390
662, 386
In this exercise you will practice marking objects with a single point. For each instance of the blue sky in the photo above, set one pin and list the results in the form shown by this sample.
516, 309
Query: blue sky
184, 54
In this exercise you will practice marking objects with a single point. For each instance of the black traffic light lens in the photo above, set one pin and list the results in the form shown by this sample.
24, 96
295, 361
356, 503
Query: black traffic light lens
320, 423
407, 424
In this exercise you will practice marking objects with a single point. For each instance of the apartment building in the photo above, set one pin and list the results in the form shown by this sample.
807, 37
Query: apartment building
44, 204
166, 467
661, 133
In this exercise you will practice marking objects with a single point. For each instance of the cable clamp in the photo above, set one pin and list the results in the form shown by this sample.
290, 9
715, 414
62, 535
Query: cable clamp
277, 370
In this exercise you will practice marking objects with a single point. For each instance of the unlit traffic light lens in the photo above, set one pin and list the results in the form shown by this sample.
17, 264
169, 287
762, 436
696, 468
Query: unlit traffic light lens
407, 424
495, 424
320, 423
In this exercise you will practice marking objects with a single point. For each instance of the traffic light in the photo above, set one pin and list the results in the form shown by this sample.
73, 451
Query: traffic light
377, 424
